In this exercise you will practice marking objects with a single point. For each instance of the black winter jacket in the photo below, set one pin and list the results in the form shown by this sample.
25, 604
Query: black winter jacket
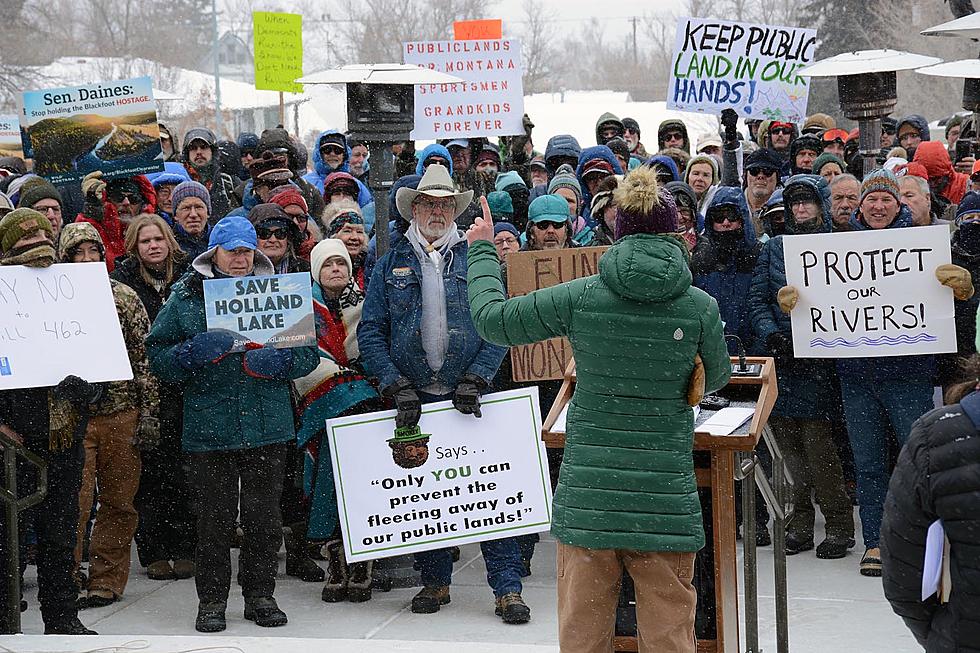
937, 477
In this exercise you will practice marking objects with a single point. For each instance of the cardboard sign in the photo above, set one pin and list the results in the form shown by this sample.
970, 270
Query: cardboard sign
10, 143
464, 30
58, 321
276, 310
870, 293
753, 69
278, 40
460, 480
111, 126
530, 271
490, 100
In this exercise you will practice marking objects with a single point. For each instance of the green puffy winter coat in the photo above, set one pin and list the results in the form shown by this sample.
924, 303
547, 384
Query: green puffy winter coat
627, 480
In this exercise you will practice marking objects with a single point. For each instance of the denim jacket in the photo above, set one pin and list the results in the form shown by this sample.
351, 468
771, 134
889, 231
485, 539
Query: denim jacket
390, 334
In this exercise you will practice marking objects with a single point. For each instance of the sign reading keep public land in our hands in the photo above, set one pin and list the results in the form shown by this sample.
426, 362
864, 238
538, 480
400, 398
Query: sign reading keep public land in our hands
275, 310
57, 321
753, 69
278, 40
454, 480
530, 271
489, 100
870, 293
109, 126
10, 142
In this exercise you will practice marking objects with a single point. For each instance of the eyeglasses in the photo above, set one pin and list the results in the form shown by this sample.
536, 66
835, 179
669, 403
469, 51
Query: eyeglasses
781, 130
444, 205
761, 172
544, 224
506, 240
265, 233
118, 197
48, 209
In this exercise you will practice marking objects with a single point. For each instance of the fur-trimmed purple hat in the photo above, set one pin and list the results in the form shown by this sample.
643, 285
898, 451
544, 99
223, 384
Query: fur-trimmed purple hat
642, 206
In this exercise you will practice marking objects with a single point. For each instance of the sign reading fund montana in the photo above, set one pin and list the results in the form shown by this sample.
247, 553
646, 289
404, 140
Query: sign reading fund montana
753, 69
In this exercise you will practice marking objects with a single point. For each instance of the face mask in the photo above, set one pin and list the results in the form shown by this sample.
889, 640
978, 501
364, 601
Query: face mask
38, 255
728, 241
968, 237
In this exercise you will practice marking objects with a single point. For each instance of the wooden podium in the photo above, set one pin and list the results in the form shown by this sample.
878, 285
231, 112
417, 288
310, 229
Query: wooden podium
716, 471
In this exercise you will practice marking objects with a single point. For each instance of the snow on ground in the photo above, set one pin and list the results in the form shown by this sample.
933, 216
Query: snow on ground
831, 608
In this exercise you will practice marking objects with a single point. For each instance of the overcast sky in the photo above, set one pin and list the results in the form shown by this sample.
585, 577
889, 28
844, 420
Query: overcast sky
615, 15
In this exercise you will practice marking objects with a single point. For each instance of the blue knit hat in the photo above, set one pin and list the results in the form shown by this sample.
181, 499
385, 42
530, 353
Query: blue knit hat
187, 189
505, 226
233, 232
551, 208
969, 204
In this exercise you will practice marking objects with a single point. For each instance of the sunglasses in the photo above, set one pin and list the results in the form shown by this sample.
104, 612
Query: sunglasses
720, 218
331, 149
781, 130
762, 172
673, 136
282, 233
118, 197
544, 224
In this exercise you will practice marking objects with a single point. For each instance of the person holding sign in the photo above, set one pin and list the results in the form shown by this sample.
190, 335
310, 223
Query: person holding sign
610, 514
111, 206
416, 337
237, 424
884, 392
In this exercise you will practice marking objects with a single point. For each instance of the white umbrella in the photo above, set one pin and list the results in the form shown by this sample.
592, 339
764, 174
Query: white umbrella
965, 26
382, 73
962, 69
867, 61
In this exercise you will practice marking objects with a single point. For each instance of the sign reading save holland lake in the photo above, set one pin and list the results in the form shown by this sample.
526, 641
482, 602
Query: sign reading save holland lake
275, 310
110, 126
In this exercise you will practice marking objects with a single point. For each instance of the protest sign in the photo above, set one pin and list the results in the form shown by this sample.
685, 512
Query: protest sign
278, 42
10, 143
870, 293
530, 271
58, 321
110, 126
753, 69
276, 310
464, 30
489, 100
453, 480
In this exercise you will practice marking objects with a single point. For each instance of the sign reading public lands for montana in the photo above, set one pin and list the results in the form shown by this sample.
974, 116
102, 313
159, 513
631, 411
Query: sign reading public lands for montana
10, 143
753, 69
489, 100
454, 479
110, 126
275, 310
870, 293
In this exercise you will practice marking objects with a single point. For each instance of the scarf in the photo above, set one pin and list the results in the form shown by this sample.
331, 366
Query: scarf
40, 255
435, 323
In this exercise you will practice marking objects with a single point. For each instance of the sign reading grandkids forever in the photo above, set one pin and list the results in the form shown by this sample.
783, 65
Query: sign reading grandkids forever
753, 69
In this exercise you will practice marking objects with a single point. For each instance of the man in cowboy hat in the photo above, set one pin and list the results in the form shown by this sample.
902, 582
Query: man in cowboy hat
416, 337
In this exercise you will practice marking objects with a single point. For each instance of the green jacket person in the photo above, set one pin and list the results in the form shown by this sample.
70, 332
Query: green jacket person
627, 496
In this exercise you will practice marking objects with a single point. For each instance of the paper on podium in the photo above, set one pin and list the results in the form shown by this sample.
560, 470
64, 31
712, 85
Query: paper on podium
726, 420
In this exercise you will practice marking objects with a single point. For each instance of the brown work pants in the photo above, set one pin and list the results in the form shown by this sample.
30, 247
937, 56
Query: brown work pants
112, 462
588, 591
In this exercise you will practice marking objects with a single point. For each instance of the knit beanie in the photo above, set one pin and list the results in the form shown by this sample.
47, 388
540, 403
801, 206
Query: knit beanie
505, 226
20, 223
501, 204
507, 179
969, 204
565, 178
642, 207
824, 159
880, 181
187, 189
288, 195
325, 249
5, 205
631, 125
37, 189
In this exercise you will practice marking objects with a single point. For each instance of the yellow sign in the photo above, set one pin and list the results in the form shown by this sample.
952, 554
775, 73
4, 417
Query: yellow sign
278, 41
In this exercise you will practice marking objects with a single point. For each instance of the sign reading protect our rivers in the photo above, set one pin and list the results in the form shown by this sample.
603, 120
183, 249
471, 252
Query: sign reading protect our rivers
455, 480
753, 69
110, 126
870, 293
276, 310
278, 40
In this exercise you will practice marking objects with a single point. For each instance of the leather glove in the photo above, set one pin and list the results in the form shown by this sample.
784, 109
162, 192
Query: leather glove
204, 348
92, 184
268, 363
406, 401
77, 391
957, 278
781, 347
466, 399
147, 434
787, 298
729, 120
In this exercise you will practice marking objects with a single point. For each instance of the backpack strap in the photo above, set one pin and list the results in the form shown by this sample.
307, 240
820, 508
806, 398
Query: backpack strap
971, 407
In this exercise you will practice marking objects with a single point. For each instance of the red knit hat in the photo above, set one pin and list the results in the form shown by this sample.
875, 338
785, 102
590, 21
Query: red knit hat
288, 195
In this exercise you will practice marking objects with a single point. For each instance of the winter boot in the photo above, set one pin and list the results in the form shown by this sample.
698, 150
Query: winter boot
211, 617
796, 544
512, 609
160, 570
429, 599
834, 548
335, 589
264, 611
359, 581
299, 564
184, 569
67, 626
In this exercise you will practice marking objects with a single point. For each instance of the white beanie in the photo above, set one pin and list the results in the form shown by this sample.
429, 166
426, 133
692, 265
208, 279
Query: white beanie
325, 249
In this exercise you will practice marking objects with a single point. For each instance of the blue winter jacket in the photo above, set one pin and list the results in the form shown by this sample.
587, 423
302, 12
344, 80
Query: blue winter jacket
588, 154
439, 151
667, 162
321, 170
390, 332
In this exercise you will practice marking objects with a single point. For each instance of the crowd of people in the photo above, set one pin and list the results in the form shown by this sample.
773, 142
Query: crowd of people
207, 448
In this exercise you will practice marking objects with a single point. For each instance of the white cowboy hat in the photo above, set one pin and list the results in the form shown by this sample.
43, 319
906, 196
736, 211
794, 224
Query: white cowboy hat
436, 182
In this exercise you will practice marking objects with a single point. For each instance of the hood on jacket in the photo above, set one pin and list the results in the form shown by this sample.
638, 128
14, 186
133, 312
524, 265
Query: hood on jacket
677, 188
673, 123
73, 235
731, 196
665, 161
588, 154
608, 119
775, 200
561, 145
934, 157
174, 143
703, 158
200, 134
819, 185
319, 164
647, 268
204, 261
804, 142
918, 122
408, 181
437, 150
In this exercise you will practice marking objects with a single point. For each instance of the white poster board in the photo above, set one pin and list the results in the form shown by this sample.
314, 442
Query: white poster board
753, 69
489, 101
870, 293
483, 479
58, 321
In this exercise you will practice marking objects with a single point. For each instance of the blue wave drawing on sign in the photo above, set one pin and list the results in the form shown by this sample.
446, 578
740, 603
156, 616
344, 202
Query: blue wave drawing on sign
888, 341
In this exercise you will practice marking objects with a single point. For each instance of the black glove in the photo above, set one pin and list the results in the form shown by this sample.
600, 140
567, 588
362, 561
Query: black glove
729, 120
781, 347
76, 391
406, 401
408, 151
466, 399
